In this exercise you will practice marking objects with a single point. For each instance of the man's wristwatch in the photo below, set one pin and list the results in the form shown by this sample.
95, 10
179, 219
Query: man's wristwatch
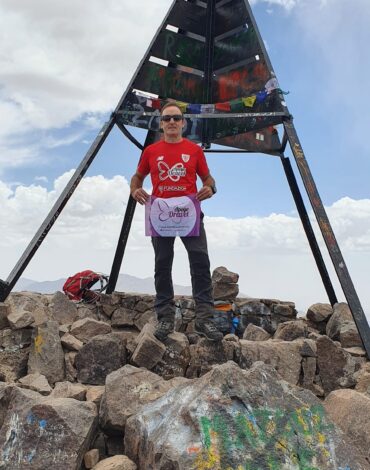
214, 189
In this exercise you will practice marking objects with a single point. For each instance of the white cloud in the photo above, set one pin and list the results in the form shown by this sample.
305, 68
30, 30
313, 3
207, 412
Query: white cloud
271, 253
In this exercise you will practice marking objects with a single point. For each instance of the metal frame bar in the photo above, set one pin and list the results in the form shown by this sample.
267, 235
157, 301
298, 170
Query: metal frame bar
34, 245
125, 231
208, 66
329, 237
308, 229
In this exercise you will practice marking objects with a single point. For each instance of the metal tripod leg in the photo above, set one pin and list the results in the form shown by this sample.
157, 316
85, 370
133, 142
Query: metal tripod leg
6, 287
125, 230
309, 230
329, 237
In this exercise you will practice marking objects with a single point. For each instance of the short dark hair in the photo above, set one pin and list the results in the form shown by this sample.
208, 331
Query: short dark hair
171, 103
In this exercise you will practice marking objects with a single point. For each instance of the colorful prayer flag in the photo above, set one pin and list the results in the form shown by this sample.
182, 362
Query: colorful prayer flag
261, 96
249, 101
194, 108
271, 85
237, 105
183, 106
223, 106
207, 108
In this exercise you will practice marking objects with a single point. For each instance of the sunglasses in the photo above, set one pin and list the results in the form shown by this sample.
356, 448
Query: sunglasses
175, 117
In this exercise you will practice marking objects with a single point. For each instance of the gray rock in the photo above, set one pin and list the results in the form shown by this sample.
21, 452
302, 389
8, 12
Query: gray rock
117, 462
91, 458
71, 372
43, 432
176, 357
87, 328
20, 319
63, 310
69, 390
350, 410
4, 312
32, 302
341, 314
291, 330
99, 357
284, 356
46, 353
141, 319
348, 335
123, 317
319, 313
284, 309
149, 350
13, 364
223, 275
255, 333
236, 419
126, 391
225, 291
36, 382
205, 354
12, 340
336, 366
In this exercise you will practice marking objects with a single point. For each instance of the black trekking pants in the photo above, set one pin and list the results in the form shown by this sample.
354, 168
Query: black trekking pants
199, 270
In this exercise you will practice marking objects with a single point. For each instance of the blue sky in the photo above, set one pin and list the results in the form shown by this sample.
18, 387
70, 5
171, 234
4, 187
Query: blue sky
63, 70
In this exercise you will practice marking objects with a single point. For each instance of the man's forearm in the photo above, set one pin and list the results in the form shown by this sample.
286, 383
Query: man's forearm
135, 183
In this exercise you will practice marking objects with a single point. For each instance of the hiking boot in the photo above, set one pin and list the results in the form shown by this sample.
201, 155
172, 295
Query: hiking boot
208, 329
163, 329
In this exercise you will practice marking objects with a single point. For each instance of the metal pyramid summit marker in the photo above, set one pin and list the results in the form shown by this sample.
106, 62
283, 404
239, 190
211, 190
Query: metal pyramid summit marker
209, 57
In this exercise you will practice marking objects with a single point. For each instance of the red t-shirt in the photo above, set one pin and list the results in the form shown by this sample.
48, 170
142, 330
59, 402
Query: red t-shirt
173, 167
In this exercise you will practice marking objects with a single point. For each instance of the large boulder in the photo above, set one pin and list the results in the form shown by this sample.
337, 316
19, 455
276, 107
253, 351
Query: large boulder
205, 354
40, 433
46, 354
99, 357
126, 391
350, 410
231, 418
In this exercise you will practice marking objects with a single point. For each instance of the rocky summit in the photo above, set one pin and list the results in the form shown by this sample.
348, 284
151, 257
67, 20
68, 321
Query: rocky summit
88, 386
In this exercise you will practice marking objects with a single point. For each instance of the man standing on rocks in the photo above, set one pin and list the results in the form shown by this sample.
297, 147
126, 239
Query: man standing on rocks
159, 159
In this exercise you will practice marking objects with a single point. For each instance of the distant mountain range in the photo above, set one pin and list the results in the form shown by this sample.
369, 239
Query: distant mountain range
125, 283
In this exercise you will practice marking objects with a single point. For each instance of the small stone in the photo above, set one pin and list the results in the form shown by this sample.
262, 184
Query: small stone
291, 330
95, 393
20, 319
318, 313
356, 351
63, 329
69, 390
149, 350
224, 291
87, 328
348, 335
117, 462
255, 333
36, 382
123, 317
71, 372
223, 275
341, 314
71, 342
91, 458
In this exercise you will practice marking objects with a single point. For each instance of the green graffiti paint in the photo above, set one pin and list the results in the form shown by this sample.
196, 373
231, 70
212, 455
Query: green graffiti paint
275, 437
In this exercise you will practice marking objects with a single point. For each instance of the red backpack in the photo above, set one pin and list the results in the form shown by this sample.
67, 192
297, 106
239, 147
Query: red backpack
77, 287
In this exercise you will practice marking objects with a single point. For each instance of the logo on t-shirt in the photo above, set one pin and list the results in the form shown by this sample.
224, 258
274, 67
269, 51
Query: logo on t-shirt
185, 157
174, 174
